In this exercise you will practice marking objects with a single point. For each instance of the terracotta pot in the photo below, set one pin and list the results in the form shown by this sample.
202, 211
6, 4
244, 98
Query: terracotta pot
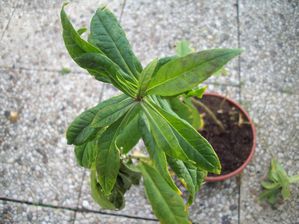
241, 168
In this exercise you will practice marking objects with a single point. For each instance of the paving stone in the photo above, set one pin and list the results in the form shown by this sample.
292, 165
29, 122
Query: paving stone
269, 34
33, 38
91, 218
36, 163
154, 27
6, 12
216, 203
277, 123
16, 213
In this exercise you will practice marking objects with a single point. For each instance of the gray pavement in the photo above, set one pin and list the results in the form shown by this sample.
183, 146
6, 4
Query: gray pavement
39, 179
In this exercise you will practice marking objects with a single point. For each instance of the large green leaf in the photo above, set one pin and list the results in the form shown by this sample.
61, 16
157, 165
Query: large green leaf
157, 155
86, 153
183, 73
115, 108
187, 175
184, 108
196, 147
114, 201
145, 77
167, 205
98, 62
107, 35
81, 129
130, 136
108, 157
77, 46
163, 134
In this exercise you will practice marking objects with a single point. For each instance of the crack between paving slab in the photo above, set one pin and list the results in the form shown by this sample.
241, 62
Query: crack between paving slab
74, 209
122, 10
7, 25
80, 193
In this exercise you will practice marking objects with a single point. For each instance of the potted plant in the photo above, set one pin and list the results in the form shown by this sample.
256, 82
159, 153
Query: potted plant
222, 121
104, 135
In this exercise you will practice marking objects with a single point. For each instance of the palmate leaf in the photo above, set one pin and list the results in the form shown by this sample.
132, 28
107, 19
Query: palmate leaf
190, 142
84, 128
108, 157
184, 73
107, 35
77, 46
167, 205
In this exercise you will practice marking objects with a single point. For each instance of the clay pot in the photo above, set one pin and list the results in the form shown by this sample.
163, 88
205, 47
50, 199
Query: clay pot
241, 168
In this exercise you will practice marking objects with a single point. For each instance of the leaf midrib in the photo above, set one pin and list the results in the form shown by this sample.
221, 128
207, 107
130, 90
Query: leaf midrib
161, 195
181, 136
117, 48
175, 77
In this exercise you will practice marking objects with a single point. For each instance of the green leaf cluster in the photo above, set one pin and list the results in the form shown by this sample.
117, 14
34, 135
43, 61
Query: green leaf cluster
154, 106
277, 184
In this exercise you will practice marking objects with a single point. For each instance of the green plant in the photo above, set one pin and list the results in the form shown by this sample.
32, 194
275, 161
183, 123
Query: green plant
104, 135
277, 184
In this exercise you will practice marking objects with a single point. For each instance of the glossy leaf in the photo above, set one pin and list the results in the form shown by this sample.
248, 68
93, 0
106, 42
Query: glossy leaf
86, 153
81, 129
198, 92
164, 135
184, 73
156, 154
114, 201
146, 76
111, 110
167, 205
108, 158
100, 63
187, 175
77, 46
196, 147
130, 137
182, 107
107, 35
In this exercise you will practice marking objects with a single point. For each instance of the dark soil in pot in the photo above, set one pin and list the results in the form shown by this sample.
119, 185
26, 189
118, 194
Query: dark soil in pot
234, 143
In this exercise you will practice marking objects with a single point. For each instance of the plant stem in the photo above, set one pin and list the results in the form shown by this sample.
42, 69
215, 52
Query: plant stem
207, 109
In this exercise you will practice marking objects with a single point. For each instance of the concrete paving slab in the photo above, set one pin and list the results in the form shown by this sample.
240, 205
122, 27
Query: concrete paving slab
154, 27
6, 12
269, 35
91, 218
33, 38
36, 163
216, 203
277, 122
16, 213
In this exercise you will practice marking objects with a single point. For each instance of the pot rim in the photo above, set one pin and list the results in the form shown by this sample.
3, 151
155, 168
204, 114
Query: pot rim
253, 130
